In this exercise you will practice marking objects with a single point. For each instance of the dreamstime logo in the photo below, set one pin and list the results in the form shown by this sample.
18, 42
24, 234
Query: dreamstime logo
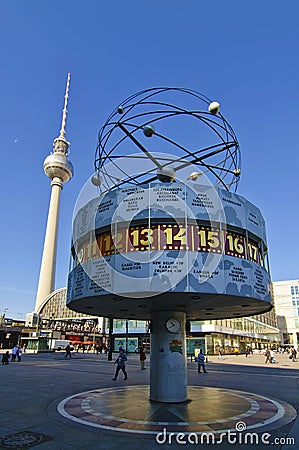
238, 436
240, 426
167, 201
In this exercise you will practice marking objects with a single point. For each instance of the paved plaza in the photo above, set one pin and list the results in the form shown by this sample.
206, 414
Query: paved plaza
74, 404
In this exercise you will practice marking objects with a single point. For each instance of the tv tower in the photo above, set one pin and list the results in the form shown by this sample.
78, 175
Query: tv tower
59, 169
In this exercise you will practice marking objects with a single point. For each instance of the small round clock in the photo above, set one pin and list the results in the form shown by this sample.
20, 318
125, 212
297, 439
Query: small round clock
173, 325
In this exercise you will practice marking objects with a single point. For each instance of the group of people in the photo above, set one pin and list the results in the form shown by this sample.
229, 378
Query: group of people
16, 354
122, 359
102, 348
270, 355
97, 348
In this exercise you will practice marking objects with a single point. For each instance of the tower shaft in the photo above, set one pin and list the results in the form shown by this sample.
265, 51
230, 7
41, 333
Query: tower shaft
48, 264
59, 169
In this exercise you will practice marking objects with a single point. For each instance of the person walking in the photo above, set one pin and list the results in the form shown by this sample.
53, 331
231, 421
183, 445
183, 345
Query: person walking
68, 351
293, 354
272, 357
142, 357
267, 354
121, 364
200, 359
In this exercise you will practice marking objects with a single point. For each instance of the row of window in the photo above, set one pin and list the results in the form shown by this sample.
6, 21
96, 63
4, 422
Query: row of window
294, 290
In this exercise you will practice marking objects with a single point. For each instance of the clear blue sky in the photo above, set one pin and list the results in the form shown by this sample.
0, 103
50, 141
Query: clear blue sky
242, 54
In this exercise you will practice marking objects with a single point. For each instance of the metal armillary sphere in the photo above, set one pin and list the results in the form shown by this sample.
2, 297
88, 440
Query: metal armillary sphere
163, 131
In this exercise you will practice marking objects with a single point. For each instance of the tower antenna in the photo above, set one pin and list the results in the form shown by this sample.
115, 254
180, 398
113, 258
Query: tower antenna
64, 111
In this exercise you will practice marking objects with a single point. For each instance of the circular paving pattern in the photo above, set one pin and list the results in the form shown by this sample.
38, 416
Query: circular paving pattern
212, 410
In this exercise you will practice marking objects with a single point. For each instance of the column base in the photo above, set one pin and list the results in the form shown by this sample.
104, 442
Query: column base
168, 377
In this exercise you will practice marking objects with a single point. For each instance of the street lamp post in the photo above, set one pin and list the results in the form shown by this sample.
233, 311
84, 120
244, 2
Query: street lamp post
110, 351
127, 334
95, 322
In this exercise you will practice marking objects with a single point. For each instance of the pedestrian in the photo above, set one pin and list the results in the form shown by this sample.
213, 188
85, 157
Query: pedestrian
5, 358
68, 351
14, 353
83, 348
267, 354
200, 359
142, 357
121, 364
246, 352
293, 354
272, 357
220, 353
19, 353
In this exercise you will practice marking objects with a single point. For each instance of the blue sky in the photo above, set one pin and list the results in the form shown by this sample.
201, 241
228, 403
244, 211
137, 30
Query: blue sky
242, 54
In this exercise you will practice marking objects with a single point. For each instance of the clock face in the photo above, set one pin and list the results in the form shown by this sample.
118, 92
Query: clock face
173, 325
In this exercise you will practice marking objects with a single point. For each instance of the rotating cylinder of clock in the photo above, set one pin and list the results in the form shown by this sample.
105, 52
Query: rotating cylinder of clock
168, 247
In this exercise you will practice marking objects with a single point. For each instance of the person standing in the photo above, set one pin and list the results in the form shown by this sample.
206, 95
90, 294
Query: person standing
142, 357
68, 351
200, 359
121, 364
5, 358
14, 353
19, 353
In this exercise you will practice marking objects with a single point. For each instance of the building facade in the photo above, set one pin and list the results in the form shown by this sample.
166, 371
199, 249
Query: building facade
286, 301
230, 335
57, 321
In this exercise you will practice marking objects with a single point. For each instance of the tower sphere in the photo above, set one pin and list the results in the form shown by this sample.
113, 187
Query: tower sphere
166, 174
58, 165
96, 179
148, 131
214, 107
